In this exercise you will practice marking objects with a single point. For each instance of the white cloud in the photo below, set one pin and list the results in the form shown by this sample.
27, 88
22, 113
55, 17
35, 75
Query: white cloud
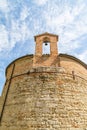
15, 34
40, 2
63, 19
68, 22
4, 5
25, 32
83, 56
4, 42
19, 32
24, 13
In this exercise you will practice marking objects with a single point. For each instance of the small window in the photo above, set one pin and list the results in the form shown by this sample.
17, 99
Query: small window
46, 48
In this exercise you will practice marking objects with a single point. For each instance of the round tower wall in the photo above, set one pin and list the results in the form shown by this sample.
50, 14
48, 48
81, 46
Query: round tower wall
46, 98
49, 98
22, 65
71, 64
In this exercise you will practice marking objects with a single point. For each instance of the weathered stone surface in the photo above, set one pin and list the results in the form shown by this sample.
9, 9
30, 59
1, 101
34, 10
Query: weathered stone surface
46, 101
45, 92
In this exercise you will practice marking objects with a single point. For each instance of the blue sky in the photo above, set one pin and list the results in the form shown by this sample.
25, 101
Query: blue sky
20, 20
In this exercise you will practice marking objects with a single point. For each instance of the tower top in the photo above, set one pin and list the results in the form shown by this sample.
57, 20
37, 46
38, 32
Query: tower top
46, 51
46, 34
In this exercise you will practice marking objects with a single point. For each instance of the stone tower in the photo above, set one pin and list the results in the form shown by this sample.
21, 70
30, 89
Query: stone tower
45, 91
42, 58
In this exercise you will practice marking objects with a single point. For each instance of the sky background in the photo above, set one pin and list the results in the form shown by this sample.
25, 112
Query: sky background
21, 20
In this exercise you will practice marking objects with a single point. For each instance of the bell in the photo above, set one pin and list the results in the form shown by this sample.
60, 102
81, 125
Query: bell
46, 43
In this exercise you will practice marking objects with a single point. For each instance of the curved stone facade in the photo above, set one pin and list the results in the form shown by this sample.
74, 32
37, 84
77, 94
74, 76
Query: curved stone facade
43, 98
45, 92
69, 63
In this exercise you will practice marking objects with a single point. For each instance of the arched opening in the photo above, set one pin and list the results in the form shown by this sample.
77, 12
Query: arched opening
46, 48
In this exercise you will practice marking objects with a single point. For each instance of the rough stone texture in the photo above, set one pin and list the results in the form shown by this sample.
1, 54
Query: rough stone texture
24, 64
49, 60
71, 64
46, 92
49, 100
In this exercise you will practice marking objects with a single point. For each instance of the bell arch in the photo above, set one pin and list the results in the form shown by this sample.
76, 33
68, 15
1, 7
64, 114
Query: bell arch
46, 46
46, 43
